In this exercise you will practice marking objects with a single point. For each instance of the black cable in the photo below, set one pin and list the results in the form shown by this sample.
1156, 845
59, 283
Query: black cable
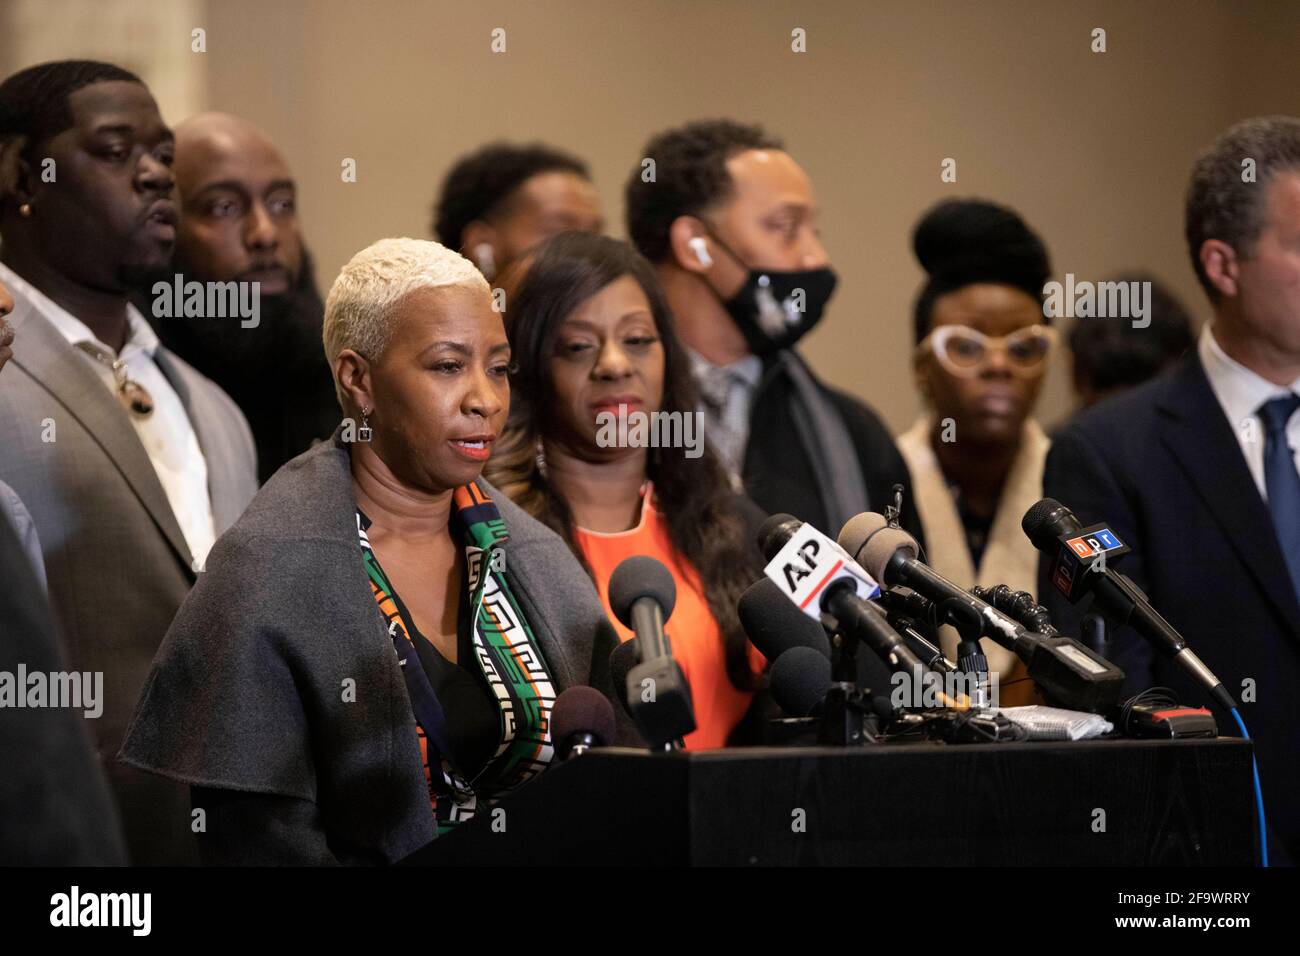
1155, 696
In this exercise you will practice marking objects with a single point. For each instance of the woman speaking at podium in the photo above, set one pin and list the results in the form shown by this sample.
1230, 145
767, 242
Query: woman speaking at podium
374, 648
604, 446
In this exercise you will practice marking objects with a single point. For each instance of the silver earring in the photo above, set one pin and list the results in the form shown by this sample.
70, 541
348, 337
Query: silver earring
541, 459
364, 433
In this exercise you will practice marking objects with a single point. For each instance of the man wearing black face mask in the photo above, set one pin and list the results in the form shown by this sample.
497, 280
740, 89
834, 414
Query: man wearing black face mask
728, 218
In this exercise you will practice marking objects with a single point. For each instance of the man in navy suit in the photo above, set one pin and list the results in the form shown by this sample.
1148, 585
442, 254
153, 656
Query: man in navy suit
1199, 471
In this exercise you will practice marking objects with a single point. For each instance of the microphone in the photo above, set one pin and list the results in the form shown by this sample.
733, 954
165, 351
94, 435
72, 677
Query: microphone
621, 661
1019, 605
800, 680
904, 608
820, 577
872, 536
854, 615
890, 556
581, 718
642, 595
1068, 673
774, 625
1079, 567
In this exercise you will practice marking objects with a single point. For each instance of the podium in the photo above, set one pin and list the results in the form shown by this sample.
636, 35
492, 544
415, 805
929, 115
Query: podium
1083, 803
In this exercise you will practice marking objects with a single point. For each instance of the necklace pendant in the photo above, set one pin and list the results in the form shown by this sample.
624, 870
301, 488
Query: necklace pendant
136, 398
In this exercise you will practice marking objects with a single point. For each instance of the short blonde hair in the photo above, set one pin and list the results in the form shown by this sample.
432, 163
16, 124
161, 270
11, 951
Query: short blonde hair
362, 300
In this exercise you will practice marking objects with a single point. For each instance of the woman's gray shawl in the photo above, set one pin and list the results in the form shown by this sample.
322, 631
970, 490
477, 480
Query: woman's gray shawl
278, 676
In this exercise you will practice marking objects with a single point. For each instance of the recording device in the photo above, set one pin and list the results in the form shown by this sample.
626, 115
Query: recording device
1069, 674
581, 718
1156, 713
642, 595
1080, 559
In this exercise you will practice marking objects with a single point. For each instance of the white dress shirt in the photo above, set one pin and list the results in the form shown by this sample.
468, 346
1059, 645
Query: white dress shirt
1240, 393
167, 435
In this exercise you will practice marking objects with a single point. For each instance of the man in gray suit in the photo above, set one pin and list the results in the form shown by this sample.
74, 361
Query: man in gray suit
130, 462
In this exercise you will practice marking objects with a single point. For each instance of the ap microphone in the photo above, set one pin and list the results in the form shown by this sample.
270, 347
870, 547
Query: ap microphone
581, 718
642, 594
1079, 567
1068, 673
862, 619
774, 625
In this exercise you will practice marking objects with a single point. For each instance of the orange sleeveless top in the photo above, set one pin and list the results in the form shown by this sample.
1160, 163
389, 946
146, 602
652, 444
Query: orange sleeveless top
694, 634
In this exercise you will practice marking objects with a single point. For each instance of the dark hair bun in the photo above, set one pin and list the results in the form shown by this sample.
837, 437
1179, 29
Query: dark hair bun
963, 241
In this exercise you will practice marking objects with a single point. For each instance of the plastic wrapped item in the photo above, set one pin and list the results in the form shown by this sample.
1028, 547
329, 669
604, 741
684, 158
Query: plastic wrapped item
1055, 723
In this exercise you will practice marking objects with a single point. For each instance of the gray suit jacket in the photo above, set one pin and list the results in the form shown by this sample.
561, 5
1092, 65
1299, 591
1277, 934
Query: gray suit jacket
247, 694
116, 560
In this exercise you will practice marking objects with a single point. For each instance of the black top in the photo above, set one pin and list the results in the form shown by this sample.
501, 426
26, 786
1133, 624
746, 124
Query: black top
473, 716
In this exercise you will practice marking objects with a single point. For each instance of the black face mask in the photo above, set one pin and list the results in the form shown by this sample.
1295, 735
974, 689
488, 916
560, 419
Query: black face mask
775, 309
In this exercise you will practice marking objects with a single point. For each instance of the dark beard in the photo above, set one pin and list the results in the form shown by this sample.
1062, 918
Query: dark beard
285, 342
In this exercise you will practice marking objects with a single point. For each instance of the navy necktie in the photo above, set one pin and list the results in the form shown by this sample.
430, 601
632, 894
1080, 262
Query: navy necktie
1282, 481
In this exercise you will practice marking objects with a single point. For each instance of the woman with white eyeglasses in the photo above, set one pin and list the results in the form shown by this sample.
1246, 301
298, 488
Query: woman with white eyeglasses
976, 456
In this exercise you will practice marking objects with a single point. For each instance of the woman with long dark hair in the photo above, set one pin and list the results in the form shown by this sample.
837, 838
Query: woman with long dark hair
603, 445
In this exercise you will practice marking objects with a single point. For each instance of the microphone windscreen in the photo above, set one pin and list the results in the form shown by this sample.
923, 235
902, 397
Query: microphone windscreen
1045, 521
621, 661
637, 577
871, 542
799, 681
775, 532
581, 709
775, 625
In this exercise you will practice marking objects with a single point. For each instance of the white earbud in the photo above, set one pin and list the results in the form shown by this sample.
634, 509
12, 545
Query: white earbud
485, 260
701, 249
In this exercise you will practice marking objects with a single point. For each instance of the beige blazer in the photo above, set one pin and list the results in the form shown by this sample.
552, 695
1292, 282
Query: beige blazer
1009, 558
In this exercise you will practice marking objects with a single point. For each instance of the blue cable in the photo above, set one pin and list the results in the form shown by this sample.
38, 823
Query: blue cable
1259, 793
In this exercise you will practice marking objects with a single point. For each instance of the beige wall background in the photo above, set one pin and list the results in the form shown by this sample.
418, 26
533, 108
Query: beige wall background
1092, 148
